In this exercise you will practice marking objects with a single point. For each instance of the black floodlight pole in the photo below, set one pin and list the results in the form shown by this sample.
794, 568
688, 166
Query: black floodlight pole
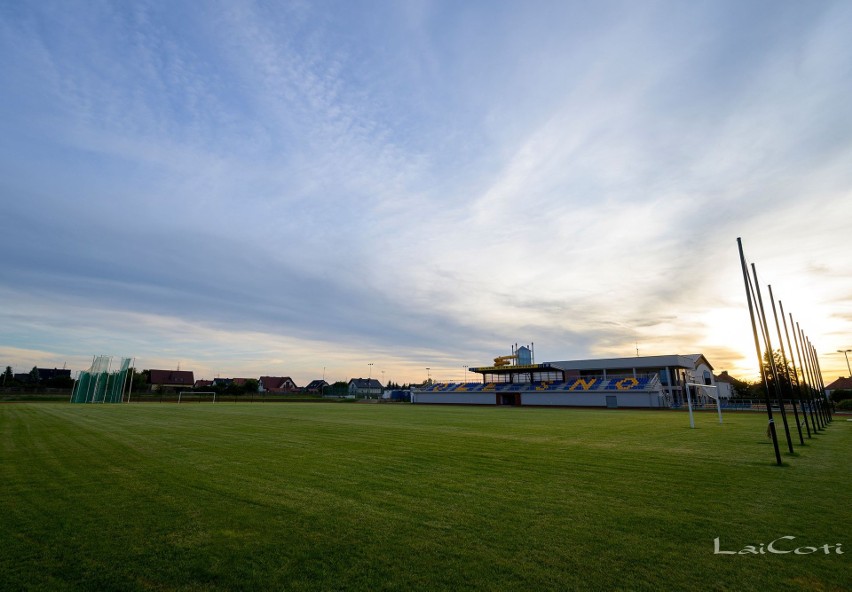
811, 389
747, 282
818, 394
771, 355
788, 380
795, 372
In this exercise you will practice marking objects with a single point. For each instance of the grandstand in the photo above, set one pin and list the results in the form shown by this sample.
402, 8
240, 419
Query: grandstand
649, 381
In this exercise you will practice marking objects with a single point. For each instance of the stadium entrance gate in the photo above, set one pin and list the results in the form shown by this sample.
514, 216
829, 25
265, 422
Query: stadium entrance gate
513, 399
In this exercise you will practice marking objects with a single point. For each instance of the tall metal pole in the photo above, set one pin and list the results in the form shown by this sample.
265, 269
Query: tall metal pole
845, 352
771, 355
74, 388
805, 384
795, 372
815, 421
789, 382
818, 392
812, 389
822, 394
747, 281
132, 376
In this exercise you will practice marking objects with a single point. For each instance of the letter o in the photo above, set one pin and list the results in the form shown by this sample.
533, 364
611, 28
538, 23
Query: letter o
800, 552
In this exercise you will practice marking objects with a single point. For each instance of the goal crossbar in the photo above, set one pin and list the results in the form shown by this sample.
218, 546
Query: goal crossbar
689, 399
181, 393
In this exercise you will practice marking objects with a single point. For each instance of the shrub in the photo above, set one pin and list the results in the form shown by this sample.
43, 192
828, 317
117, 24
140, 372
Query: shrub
841, 395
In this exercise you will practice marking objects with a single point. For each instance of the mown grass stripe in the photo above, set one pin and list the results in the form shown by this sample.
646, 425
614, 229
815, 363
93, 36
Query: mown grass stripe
311, 496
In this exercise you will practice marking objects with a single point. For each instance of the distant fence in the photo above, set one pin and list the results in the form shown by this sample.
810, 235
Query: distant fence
739, 405
190, 398
32, 394
17, 393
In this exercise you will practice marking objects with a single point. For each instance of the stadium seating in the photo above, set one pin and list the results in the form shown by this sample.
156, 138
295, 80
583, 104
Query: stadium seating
579, 384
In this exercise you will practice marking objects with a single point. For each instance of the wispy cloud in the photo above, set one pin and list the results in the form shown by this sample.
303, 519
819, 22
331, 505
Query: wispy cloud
417, 186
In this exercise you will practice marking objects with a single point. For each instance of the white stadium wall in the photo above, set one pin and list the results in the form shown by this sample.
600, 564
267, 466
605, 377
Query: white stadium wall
550, 399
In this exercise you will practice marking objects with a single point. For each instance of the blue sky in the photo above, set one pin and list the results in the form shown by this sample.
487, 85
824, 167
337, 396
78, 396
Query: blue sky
304, 187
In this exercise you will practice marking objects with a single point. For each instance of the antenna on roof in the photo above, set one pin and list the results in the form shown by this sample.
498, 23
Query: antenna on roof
637, 349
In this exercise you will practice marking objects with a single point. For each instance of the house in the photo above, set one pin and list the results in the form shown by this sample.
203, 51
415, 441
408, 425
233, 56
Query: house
53, 373
725, 384
226, 382
203, 384
276, 384
170, 379
316, 386
365, 387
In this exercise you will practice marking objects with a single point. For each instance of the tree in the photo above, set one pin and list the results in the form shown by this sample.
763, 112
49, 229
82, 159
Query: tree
34, 374
8, 377
62, 382
742, 389
841, 395
786, 380
338, 389
251, 385
138, 380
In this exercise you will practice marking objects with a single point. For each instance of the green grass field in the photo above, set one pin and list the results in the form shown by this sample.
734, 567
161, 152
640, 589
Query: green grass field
400, 497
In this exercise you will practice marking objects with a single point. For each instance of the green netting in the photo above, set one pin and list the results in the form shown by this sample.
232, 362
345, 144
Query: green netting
101, 383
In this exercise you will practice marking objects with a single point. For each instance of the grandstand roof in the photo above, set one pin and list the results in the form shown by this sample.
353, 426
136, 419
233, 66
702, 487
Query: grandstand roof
671, 361
510, 368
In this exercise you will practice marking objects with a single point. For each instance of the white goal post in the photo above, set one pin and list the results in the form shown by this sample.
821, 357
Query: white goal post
710, 394
181, 393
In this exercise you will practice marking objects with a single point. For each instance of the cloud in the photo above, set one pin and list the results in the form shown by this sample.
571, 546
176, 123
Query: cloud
420, 184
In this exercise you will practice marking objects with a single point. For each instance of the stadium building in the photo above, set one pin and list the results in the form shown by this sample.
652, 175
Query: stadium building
642, 381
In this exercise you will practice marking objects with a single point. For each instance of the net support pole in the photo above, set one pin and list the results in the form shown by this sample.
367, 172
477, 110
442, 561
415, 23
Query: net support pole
811, 389
771, 355
795, 371
788, 380
74, 388
747, 282
132, 376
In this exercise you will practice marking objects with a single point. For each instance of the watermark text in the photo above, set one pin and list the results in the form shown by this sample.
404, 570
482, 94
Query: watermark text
779, 546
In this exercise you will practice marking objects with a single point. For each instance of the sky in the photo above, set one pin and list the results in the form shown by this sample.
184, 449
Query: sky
346, 189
